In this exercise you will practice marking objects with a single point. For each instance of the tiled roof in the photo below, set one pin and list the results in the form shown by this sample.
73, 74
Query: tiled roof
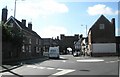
24, 27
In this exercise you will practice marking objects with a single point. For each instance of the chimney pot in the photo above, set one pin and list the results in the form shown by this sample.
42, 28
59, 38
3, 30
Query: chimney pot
23, 22
30, 25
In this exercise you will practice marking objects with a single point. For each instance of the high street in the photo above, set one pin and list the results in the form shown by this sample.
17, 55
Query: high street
68, 65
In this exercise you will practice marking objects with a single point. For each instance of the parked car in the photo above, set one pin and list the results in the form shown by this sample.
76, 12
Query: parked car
76, 53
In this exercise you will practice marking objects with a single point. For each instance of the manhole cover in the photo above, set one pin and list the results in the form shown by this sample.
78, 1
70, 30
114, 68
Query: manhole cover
85, 70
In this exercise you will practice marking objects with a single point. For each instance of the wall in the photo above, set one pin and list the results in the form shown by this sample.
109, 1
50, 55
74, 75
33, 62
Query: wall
104, 48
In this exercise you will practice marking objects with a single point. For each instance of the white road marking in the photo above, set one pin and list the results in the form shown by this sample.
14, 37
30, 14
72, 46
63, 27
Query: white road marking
112, 61
50, 68
90, 60
63, 71
62, 57
33, 66
64, 61
41, 67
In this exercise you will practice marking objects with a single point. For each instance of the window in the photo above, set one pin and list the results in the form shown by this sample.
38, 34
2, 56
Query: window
29, 41
37, 50
29, 48
23, 48
37, 41
101, 26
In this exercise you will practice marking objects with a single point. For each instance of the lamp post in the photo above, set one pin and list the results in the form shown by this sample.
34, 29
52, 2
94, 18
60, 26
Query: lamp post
86, 29
15, 9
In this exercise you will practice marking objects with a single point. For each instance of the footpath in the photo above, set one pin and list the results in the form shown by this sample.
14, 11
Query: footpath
14, 65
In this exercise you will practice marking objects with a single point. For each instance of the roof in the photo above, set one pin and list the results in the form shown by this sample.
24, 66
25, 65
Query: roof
21, 26
102, 17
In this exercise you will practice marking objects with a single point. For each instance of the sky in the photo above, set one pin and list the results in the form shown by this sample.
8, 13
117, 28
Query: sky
50, 18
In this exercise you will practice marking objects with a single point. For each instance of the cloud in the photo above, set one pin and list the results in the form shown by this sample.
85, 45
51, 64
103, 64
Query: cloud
40, 8
101, 9
52, 31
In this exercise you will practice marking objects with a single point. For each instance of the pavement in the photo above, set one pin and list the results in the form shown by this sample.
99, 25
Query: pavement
11, 66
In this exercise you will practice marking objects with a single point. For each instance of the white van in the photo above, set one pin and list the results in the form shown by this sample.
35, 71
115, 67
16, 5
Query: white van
54, 52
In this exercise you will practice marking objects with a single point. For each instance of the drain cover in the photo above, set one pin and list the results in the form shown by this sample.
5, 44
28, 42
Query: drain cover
85, 70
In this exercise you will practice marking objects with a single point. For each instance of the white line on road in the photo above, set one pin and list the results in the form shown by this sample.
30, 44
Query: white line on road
33, 66
50, 68
90, 60
62, 57
112, 61
64, 61
63, 71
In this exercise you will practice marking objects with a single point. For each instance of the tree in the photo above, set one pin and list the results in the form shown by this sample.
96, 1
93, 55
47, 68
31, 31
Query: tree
13, 36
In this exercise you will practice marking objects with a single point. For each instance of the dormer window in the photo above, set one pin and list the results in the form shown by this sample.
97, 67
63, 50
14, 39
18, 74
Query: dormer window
102, 26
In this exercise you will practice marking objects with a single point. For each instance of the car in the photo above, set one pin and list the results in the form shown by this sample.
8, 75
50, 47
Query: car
76, 53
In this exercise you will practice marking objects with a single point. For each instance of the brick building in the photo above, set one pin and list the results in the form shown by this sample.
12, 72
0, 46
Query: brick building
32, 44
101, 37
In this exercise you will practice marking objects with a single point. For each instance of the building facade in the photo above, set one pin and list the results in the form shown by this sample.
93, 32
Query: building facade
31, 44
101, 37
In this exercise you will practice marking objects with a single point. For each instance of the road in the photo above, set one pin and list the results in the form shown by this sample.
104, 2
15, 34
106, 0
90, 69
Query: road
68, 65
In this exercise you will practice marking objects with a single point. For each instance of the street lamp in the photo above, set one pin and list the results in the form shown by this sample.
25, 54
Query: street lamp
15, 8
86, 29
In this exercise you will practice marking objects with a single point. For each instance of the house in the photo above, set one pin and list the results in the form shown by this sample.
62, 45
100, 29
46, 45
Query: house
32, 43
101, 37
81, 45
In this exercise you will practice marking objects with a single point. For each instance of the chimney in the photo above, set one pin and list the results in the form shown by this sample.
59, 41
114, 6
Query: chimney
113, 24
4, 14
30, 25
23, 22
58, 37
113, 21
62, 36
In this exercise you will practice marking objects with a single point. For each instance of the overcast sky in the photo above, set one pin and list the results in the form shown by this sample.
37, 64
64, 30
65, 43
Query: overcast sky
50, 18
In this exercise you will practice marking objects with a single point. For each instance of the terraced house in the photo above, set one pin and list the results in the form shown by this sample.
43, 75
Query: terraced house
31, 44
